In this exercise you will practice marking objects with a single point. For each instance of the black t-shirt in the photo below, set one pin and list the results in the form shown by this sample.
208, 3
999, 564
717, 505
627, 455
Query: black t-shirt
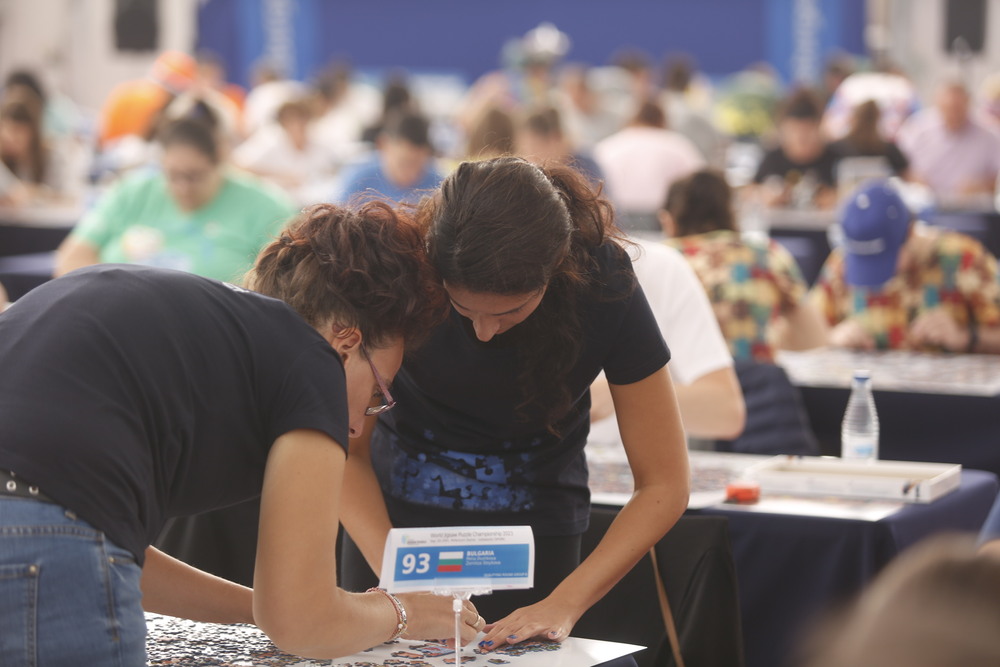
454, 451
776, 163
131, 394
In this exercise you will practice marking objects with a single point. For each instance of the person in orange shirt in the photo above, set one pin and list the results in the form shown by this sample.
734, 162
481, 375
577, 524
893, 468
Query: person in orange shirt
133, 106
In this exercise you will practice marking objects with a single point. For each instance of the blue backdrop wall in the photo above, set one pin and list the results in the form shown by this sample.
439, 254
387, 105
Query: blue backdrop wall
466, 36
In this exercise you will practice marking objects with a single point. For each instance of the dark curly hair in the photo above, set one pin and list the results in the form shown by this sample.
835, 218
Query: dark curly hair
505, 226
363, 267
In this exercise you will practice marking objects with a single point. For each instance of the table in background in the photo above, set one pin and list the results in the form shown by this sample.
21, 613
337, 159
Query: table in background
28, 240
939, 408
795, 558
804, 233
982, 224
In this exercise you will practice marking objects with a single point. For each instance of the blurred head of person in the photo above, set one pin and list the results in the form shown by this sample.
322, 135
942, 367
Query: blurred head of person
799, 130
650, 114
864, 134
211, 70
639, 68
876, 224
678, 72
697, 204
492, 135
576, 87
175, 71
23, 85
294, 117
332, 84
396, 96
540, 137
936, 605
22, 147
952, 103
192, 161
405, 149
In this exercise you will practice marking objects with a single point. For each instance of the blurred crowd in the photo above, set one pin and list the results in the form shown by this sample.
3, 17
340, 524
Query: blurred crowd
185, 169
635, 125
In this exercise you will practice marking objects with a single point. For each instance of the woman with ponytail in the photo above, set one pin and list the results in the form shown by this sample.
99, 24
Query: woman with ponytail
133, 394
494, 409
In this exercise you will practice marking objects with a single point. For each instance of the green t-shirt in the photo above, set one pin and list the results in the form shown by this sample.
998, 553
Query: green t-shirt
138, 222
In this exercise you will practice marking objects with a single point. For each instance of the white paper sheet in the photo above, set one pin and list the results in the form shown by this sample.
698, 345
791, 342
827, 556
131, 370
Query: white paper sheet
573, 652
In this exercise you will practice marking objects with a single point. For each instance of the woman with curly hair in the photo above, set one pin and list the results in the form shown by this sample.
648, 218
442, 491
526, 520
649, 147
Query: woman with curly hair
494, 409
133, 394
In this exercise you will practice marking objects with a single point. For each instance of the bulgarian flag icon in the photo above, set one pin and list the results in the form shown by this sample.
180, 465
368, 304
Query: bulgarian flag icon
450, 561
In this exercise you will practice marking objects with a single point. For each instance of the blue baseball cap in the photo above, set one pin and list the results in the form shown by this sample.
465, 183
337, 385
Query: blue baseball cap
875, 222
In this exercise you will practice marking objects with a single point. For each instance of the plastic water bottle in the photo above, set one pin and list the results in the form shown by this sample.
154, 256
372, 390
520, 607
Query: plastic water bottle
859, 430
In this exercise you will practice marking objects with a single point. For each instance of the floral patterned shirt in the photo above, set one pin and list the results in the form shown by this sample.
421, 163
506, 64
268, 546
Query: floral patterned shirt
947, 270
750, 285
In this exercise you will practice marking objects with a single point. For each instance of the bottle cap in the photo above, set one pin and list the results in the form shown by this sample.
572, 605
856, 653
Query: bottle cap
862, 374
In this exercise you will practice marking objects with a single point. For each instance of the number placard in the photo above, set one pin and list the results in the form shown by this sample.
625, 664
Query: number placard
463, 559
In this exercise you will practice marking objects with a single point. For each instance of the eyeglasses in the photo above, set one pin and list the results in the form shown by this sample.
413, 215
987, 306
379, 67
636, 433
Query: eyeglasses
388, 402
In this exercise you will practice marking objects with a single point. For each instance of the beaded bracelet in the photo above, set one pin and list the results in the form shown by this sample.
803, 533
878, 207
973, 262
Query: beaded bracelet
400, 612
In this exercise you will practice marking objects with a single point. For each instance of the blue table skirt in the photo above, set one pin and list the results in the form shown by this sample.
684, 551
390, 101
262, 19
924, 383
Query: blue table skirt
792, 568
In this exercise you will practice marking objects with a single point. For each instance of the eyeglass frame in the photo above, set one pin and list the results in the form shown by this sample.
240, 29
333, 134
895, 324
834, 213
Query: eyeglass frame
388, 402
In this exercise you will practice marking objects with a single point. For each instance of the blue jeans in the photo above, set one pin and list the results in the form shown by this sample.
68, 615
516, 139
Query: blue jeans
68, 596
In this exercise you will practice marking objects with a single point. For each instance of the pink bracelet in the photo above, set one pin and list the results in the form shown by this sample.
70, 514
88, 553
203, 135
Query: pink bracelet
400, 612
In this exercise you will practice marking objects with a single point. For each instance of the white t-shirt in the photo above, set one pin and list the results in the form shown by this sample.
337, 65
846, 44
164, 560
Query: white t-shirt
685, 316
640, 164
270, 153
682, 310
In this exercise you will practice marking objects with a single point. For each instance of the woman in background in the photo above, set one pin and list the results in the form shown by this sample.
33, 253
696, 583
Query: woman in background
193, 215
864, 139
756, 288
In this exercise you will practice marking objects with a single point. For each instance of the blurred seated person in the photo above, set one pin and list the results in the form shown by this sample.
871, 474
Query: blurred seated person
864, 139
271, 88
799, 171
755, 287
397, 99
285, 154
342, 110
640, 162
194, 214
707, 389
491, 135
937, 604
955, 154
686, 98
586, 113
403, 168
48, 172
894, 284
62, 119
887, 85
134, 107
211, 74
539, 138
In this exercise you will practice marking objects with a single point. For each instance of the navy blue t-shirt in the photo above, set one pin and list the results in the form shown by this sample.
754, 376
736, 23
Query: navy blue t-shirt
454, 451
131, 394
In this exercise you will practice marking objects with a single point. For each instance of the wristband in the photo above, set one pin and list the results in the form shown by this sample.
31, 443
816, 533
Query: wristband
400, 613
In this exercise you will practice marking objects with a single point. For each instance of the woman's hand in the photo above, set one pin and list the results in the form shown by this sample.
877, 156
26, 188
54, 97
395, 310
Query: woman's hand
430, 616
547, 619
936, 328
851, 334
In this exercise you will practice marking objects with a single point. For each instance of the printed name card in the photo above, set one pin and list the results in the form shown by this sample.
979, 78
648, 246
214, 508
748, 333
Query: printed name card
473, 559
